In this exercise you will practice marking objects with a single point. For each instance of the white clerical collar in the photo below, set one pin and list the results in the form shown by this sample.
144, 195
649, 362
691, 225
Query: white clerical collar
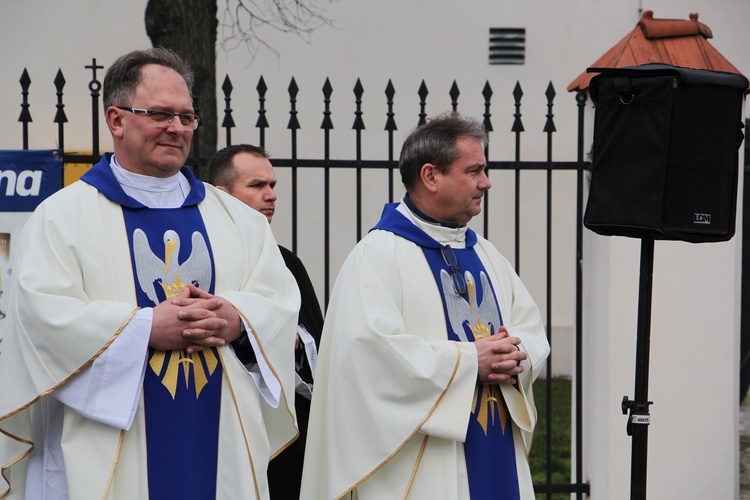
452, 236
154, 192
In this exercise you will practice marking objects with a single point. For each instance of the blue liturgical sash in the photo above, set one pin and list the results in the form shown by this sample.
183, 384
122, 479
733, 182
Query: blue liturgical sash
181, 392
489, 448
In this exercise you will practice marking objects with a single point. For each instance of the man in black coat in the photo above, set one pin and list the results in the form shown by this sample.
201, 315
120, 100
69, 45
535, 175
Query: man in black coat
245, 172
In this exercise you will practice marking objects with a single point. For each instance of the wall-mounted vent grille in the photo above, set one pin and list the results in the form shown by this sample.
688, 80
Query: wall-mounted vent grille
507, 45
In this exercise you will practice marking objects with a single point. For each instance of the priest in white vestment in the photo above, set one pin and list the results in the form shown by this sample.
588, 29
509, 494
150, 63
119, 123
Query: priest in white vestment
132, 289
430, 345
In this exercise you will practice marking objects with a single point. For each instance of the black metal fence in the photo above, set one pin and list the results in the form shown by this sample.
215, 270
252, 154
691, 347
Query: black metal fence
294, 163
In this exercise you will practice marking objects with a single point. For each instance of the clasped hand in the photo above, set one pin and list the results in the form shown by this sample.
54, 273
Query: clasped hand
499, 358
193, 320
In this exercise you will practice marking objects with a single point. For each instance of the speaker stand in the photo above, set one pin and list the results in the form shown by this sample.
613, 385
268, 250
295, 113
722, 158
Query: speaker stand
639, 417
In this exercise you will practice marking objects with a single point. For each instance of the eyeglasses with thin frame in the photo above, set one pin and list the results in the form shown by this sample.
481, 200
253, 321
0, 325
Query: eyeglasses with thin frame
188, 120
450, 259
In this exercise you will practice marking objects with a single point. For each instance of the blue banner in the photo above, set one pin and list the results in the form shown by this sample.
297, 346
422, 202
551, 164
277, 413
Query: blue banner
28, 177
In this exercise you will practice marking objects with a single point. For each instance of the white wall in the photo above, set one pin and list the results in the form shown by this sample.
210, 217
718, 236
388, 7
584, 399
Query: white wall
693, 358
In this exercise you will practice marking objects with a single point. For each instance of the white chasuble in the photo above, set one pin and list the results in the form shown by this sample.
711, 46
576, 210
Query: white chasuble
394, 394
77, 289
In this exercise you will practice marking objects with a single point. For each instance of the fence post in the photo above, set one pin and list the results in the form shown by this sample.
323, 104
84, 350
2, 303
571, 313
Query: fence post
359, 126
327, 126
422, 93
25, 116
487, 94
228, 121
293, 126
60, 117
581, 98
517, 129
262, 122
549, 129
390, 127
94, 87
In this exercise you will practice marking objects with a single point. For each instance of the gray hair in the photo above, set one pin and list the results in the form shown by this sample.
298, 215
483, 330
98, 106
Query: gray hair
435, 142
123, 77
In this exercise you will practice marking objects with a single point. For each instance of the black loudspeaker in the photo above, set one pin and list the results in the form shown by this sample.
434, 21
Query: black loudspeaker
666, 150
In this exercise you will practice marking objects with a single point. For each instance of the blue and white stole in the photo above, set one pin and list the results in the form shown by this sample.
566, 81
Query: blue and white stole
489, 448
181, 392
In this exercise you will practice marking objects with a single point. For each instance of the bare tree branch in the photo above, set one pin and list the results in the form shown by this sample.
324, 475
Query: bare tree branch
243, 22
189, 27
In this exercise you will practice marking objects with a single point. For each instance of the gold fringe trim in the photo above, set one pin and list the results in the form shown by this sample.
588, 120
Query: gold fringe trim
416, 467
4, 468
242, 426
114, 464
411, 435
14, 462
75, 373
283, 394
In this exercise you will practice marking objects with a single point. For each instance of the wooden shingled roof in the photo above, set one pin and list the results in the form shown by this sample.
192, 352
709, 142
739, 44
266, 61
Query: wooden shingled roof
677, 42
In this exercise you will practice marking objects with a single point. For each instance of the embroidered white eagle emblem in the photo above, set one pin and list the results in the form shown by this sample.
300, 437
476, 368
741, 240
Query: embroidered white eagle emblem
483, 320
169, 273
172, 277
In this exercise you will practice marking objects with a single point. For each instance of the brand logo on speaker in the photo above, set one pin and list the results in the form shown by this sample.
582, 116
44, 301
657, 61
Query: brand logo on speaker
701, 218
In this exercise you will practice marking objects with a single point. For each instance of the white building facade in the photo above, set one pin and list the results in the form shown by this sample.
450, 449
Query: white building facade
694, 376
